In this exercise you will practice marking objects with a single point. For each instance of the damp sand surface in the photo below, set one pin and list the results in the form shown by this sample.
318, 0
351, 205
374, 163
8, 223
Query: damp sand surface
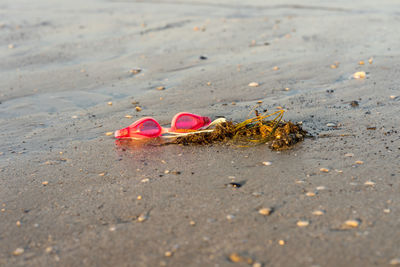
71, 72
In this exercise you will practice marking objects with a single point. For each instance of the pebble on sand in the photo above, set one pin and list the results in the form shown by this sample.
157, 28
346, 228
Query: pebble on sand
359, 162
331, 124
324, 170
45, 183
303, 223
128, 116
109, 133
359, 75
18, 251
265, 211
254, 84
49, 249
267, 163
275, 68
386, 210
18, 223
281, 242
138, 109
192, 223
370, 60
102, 174
160, 88
352, 223
109, 103
168, 254
361, 62
11, 46
349, 155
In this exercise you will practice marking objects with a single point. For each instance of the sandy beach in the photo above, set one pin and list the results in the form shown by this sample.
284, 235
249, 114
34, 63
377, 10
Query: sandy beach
71, 195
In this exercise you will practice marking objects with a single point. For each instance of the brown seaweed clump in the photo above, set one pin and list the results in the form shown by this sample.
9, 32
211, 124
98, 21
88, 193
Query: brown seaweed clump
278, 134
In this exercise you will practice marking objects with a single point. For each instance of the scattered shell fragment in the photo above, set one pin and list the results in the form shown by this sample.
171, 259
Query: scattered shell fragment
11, 46
142, 218
138, 109
359, 75
303, 223
324, 170
234, 257
109, 133
393, 97
361, 62
145, 180
331, 124
257, 264
265, 211
352, 223
18, 223
333, 66
102, 174
74, 117
48, 249
112, 228
139, 197
253, 84
321, 187
386, 210
395, 261
275, 68
349, 155
160, 88
168, 254
281, 242
310, 194
369, 183
267, 163
45, 183
230, 217
18, 251
128, 116
192, 223
208, 83
135, 71
318, 212
359, 162
109, 103
370, 60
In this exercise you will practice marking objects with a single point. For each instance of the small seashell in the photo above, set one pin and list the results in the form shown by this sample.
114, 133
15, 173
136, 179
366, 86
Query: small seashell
265, 211
18, 251
352, 223
303, 223
369, 183
318, 212
359, 75
254, 84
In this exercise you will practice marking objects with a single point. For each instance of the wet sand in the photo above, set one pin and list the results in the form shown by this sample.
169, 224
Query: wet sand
71, 196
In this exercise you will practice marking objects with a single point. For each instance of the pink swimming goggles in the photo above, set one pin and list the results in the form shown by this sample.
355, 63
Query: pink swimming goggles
149, 128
